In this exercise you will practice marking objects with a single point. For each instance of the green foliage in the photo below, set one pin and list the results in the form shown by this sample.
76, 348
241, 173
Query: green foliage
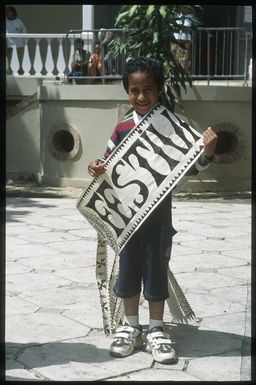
148, 30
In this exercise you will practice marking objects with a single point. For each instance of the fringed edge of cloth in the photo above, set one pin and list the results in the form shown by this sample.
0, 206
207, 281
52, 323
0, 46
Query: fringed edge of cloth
112, 306
178, 304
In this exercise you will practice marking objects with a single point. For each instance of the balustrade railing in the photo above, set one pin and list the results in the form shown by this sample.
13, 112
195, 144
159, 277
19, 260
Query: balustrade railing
216, 53
221, 53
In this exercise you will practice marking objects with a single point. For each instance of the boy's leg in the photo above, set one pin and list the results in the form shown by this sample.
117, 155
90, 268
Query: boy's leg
128, 287
131, 305
156, 309
156, 313
128, 337
159, 342
131, 310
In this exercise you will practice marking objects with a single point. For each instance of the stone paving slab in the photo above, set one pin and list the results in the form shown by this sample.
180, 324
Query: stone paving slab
226, 323
53, 317
208, 304
218, 367
41, 327
199, 262
83, 359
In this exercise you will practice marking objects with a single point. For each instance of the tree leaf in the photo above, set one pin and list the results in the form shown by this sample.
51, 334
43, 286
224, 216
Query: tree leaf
150, 10
155, 37
162, 11
133, 9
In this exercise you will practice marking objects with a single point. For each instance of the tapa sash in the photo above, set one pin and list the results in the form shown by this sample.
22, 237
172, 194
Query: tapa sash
140, 172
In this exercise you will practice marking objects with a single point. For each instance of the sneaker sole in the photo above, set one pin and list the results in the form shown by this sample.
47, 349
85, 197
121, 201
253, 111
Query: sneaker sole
170, 360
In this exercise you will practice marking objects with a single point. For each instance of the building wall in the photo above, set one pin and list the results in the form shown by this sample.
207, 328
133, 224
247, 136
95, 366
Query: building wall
23, 144
84, 117
49, 18
105, 15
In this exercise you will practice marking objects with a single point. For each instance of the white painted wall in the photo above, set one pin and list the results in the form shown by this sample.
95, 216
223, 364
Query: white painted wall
93, 111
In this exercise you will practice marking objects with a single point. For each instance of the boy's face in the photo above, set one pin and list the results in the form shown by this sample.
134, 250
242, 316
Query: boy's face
143, 92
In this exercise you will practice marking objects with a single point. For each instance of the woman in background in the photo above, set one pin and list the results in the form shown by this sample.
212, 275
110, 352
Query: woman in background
14, 25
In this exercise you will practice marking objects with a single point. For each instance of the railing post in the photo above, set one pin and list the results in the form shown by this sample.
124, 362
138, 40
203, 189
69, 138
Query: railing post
15, 64
208, 58
245, 59
38, 63
49, 64
26, 63
61, 60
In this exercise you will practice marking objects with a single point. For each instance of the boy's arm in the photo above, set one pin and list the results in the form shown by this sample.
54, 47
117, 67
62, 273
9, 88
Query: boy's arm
96, 167
210, 141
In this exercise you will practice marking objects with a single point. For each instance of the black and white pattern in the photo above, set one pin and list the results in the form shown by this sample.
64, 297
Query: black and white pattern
140, 172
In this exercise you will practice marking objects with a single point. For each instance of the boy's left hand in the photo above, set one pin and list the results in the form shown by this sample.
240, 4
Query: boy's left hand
210, 141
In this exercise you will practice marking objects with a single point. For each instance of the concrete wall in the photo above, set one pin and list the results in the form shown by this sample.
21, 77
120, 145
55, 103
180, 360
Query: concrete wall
230, 109
50, 18
83, 117
92, 112
23, 144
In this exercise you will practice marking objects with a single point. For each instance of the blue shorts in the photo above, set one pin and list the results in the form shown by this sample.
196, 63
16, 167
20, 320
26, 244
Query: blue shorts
146, 256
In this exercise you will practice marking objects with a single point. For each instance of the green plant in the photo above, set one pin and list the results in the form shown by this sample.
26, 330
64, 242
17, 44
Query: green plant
148, 30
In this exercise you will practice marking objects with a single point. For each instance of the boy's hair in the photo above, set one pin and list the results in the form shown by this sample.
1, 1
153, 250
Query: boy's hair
144, 64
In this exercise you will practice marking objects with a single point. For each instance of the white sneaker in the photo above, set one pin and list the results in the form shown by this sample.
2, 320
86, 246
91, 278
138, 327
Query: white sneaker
160, 345
126, 339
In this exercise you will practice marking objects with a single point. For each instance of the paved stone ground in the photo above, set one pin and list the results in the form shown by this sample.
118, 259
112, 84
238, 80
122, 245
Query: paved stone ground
53, 317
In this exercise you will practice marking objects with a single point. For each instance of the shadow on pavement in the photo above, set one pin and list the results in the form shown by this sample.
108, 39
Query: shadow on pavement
190, 341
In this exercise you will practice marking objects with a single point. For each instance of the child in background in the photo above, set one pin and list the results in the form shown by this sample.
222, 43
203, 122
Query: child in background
95, 67
79, 65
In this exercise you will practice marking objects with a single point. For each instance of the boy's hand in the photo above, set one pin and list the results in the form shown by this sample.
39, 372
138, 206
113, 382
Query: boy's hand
96, 168
210, 141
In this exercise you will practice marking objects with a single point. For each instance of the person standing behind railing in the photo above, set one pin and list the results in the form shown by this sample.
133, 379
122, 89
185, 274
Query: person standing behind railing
14, 25
96, 66
79, 65
183, 55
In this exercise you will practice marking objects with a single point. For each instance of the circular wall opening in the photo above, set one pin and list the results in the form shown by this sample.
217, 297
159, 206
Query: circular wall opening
227, 142
231, 143
64, 142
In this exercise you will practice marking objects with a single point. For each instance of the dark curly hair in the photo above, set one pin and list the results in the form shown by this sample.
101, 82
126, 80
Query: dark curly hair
144, 64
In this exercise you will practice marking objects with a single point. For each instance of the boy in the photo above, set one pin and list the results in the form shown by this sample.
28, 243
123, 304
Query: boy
146, 256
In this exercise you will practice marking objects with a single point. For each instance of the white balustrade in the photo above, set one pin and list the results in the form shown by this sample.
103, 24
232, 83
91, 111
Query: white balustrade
47, 58
51, 60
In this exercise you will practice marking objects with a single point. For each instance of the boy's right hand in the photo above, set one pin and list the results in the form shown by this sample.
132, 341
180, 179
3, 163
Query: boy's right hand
96, 168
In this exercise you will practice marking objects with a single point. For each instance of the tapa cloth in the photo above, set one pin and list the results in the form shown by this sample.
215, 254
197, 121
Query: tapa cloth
140, 172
